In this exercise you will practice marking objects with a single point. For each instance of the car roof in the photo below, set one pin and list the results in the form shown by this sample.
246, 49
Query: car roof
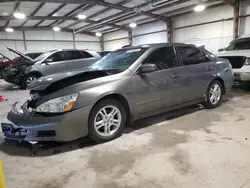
242, 38
75, 50
157, 44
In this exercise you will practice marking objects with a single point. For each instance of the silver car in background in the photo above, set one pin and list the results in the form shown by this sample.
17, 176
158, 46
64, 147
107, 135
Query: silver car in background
51, 62
57, 61
126, 85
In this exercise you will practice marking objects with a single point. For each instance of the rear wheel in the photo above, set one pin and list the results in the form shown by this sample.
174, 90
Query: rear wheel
213, 95
28, 79
107, 120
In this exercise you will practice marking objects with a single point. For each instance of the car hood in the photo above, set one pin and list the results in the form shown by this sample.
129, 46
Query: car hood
21, 54
234, 53
56, 82
4, 56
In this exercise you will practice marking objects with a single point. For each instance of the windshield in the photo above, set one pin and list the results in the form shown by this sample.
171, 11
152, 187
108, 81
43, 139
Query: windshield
119, 60
43, 55
239, 44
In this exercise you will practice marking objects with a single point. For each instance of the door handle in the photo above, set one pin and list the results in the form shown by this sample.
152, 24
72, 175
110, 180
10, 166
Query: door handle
176, 75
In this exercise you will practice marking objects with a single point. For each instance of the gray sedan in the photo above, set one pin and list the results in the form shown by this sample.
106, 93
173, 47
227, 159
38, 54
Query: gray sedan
126, 85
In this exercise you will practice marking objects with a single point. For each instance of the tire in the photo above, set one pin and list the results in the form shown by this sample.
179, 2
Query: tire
28, 79
99, 132
1, 73
213, 102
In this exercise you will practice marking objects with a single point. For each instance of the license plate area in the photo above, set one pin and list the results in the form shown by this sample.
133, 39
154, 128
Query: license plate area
11, 132
7, 128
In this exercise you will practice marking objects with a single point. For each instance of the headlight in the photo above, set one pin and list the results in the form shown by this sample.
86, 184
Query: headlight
247, 62
57, 105
13, 69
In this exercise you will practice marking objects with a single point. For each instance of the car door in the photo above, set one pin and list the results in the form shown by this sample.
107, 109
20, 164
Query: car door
194, 71
156, 90
79, 60
55, 63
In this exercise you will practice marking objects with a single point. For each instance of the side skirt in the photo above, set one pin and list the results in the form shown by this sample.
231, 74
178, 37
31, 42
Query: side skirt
159, 111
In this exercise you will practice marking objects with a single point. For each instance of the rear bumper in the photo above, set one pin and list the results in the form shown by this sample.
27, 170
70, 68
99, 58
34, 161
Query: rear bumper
242, 76
37, 127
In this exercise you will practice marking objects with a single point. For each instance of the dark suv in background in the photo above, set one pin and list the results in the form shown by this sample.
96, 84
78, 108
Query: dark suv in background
55, 61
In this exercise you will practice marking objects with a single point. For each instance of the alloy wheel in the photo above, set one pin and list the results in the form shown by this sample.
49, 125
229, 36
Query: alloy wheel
30, 79
215, 94
107, 120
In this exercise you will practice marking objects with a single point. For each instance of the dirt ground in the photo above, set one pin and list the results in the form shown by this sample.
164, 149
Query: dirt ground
187, 148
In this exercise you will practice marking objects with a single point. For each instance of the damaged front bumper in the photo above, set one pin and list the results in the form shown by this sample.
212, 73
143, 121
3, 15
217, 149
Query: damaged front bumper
27, 125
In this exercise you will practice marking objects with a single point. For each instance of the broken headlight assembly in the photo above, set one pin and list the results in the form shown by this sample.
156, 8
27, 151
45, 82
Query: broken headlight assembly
58, 105
247, 61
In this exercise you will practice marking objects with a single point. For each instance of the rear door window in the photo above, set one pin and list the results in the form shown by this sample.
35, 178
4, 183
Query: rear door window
208, 56
86, 55
74, 55
190, 55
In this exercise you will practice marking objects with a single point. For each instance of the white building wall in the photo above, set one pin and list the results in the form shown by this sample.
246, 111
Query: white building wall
212, 27
40, 41
115, 40
244, 28
144, 34
158, 37
150, 33
116, 44
115, 35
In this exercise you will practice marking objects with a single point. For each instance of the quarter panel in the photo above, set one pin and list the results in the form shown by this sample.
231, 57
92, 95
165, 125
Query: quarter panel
224, 72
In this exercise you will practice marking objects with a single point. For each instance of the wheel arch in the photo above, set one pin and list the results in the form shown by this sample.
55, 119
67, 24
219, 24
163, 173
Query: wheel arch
120, 98
35, 73
222, 83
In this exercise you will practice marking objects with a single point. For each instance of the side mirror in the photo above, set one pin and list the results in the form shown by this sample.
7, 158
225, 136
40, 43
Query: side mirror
47, 61
146, 68
221, 49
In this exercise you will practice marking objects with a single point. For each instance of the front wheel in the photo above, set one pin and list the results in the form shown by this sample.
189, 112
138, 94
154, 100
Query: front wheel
28, 79
213, 95
107, 120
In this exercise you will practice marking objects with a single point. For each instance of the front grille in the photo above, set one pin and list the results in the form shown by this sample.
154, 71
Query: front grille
11, 71
236, 61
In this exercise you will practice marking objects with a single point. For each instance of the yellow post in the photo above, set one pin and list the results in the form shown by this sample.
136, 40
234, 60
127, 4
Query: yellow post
1, 176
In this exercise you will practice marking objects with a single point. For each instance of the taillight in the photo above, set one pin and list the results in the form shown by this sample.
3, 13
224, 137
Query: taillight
231, 68
247, 61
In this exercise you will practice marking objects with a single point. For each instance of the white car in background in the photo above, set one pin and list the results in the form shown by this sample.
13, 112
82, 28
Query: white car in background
238, 53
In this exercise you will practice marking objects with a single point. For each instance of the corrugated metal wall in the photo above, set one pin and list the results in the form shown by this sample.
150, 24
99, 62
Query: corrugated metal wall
40, 41
115, 40
212, 28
